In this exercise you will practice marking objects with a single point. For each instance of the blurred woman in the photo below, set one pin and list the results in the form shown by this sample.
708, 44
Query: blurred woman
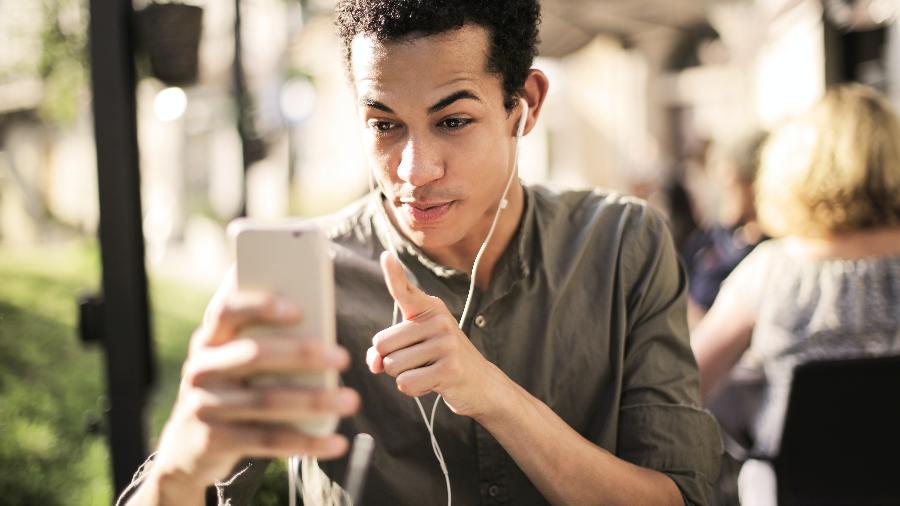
829, 285
713, 251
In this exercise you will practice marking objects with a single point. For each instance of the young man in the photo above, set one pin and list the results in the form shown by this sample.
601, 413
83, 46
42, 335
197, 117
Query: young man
572, 381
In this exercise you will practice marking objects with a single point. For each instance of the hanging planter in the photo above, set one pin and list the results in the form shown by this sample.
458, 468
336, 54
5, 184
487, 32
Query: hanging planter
170, 34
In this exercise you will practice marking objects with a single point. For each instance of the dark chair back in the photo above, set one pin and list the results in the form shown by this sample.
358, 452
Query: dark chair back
841, 439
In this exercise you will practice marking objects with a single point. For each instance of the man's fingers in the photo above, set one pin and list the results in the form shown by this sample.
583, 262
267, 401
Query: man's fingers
403, 335
276, 405
412, 301
285, 442
408, 333
225, 289
418, 382
267, 440
247, 356
373, 359
413, 357
227, 315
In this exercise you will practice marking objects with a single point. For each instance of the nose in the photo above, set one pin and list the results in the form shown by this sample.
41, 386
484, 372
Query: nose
420, 162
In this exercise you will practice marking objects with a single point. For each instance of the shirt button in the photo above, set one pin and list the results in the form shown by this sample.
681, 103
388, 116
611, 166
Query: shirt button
480, 321
493, 490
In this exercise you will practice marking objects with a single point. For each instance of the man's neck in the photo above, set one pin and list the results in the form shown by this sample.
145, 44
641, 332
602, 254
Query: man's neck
463, 254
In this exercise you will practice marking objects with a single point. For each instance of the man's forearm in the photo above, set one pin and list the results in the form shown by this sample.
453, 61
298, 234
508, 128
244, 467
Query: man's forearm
564, 466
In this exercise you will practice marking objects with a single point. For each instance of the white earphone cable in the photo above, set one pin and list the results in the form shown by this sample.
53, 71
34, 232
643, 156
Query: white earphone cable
293, 462
500, 207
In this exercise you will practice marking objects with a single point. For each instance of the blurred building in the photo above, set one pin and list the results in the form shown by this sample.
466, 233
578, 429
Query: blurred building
637, 88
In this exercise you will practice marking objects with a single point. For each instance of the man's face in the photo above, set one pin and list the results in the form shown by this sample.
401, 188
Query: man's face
436, 133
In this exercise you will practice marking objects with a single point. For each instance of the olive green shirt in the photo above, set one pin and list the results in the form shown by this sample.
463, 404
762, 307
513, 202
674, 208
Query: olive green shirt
585, 310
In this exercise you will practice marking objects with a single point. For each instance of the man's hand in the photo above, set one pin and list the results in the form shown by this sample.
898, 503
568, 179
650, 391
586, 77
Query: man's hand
427, 352
220, 417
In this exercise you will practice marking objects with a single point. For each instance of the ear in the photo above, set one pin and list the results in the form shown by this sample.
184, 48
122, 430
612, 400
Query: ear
534, 92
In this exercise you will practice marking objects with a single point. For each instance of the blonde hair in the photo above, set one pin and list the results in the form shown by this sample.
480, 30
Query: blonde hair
834, 169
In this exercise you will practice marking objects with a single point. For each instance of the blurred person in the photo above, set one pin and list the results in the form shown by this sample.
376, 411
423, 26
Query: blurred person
688, 194
714, 250
697, 181
828, 286
572, 380
680, 213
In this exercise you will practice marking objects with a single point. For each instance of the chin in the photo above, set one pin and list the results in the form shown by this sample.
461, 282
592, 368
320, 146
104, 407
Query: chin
433, 237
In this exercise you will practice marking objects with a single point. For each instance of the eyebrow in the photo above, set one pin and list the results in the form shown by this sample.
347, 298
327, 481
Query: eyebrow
368, 102
440, 104
446, 101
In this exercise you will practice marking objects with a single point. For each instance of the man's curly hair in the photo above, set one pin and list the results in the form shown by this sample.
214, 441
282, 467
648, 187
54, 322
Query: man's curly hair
512, 24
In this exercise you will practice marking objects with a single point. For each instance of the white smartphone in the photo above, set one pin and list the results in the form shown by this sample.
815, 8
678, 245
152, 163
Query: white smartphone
292, 260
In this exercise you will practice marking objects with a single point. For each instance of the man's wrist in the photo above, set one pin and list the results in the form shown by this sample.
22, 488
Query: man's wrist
502, 397
173, 487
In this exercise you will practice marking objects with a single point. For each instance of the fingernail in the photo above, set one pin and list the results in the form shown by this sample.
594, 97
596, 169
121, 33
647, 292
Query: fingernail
344, 399
336, 445
284, 309
335, 356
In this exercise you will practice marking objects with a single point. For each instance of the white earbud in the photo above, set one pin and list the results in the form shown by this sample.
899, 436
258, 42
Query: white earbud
520, 131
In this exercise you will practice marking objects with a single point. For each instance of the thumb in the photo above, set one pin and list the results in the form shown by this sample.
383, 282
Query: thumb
412, 301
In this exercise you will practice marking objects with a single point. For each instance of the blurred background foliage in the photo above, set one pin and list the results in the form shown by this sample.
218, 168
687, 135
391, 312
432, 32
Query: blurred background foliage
50, 386
63, 62
52, 393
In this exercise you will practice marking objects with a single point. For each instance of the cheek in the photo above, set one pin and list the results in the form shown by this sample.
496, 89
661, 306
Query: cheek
387, 180
376, 149
483, 161
382, 159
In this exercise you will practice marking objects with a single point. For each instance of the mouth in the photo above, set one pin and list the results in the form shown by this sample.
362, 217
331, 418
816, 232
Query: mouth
426, 212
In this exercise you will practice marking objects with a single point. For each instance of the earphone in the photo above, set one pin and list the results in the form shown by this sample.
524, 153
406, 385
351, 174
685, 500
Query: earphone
520, 131
502, 204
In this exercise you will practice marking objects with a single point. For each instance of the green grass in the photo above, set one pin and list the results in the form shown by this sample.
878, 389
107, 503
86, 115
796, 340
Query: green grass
52, 387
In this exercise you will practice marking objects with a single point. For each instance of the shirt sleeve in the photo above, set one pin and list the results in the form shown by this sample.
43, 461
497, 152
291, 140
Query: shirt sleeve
662, 425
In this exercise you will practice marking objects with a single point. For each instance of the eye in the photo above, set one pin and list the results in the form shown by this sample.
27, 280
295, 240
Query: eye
382, 127
455, 123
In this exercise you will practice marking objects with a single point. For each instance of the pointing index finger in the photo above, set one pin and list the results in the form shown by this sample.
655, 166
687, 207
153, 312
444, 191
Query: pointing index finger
412, 301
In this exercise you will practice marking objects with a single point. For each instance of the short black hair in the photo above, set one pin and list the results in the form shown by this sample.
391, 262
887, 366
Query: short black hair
512, 25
